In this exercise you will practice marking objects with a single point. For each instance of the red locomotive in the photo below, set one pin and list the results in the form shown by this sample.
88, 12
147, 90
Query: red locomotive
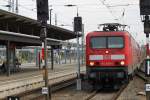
112, 55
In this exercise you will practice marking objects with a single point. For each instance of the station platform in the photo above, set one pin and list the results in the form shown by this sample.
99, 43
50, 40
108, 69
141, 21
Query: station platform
29, 69
30, 77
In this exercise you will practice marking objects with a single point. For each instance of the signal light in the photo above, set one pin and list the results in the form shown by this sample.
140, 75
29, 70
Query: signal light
77, 24
42, 10
144, 7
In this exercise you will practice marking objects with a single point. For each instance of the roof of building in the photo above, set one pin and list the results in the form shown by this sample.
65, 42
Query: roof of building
24, 40
19, 24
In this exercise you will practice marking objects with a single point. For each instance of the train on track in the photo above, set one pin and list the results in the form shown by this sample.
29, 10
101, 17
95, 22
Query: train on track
112, 56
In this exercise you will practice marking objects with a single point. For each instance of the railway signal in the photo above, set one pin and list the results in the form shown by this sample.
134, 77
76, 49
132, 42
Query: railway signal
144, 7
42, 10
146, 25
77, 24
145, 13
43, 16
77, 30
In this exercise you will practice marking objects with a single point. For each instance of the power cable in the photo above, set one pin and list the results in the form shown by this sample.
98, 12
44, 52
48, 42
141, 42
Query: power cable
107, 6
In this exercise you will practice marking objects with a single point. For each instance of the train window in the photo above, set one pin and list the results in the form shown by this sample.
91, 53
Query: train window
98, 42
115, 42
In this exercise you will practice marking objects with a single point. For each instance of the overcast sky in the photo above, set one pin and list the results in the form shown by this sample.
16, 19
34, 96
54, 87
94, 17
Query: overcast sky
93, 12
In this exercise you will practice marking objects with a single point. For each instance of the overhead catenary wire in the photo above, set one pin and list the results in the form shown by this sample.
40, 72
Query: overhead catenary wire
119, 5
110, 11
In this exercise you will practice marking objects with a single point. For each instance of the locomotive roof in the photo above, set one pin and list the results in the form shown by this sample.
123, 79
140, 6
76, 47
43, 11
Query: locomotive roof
112, 27
117, 24
108, 33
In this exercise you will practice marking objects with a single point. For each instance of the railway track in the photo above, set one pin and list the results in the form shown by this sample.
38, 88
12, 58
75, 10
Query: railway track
33, 83
37, 95
141, 74
96, 95
91, 95
60, 82
115, 97
124, 93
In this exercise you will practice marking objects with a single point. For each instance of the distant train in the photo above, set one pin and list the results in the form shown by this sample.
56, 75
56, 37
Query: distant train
112, 55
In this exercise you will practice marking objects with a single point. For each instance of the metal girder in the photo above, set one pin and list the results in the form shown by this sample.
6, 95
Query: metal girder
22, 39
7, 18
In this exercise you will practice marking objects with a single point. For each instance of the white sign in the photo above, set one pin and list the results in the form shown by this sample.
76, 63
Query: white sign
44, 90
147, 87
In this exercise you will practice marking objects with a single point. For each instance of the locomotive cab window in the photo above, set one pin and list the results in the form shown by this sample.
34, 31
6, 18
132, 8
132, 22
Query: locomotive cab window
107, 42
98, 42
115, 42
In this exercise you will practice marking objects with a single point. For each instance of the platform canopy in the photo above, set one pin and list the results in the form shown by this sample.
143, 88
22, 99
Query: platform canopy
19, 24
24, 40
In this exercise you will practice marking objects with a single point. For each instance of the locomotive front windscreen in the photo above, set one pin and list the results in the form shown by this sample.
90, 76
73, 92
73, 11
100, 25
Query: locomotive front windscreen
107, 42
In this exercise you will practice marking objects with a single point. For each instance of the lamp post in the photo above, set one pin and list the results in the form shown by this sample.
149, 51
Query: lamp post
71, 5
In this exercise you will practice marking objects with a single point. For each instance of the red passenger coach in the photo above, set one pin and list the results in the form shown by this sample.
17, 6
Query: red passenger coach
111, 55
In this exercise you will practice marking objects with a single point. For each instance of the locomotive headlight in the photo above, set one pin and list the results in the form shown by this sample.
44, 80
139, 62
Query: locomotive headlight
91, 63
122, 63
106, 52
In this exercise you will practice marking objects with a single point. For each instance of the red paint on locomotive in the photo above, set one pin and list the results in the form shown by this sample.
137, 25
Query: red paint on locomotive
106, 58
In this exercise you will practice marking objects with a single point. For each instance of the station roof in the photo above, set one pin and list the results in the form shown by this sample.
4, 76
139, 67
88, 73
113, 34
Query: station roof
19, 24
24, 40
